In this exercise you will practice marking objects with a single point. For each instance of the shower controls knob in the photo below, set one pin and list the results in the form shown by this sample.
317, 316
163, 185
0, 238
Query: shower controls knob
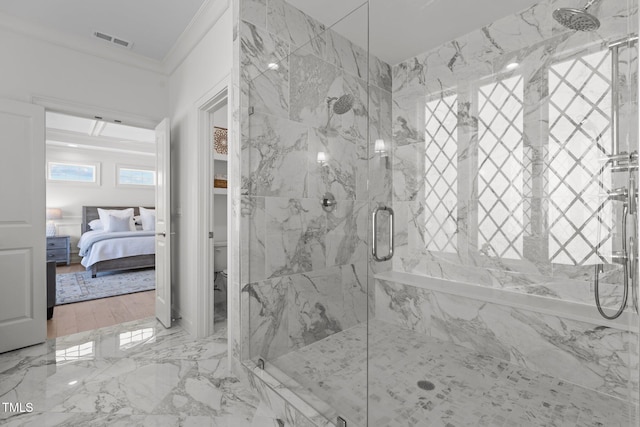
328, 202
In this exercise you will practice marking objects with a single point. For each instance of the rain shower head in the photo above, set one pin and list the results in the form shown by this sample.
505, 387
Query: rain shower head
577, 19
343, 104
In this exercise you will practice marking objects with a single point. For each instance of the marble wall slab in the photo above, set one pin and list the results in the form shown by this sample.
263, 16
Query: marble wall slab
290, 312
535, 42
304, 273
303, 269
586, 354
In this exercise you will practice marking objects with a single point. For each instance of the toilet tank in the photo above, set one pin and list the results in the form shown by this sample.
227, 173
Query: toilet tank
220, 256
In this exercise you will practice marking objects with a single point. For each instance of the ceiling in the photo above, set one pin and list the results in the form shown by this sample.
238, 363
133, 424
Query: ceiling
401, 29
80, 132
153, 26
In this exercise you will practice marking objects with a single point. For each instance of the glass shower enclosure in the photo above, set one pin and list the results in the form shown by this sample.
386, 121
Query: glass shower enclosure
439, 222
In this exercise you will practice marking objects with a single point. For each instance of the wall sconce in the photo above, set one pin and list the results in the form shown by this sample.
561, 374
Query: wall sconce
52, 213
380, 148
322, 158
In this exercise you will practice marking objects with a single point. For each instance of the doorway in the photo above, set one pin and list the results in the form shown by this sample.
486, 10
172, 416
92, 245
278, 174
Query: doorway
213, 257
98, 166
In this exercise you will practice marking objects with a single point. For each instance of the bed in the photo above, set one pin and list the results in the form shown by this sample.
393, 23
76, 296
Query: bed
102, 251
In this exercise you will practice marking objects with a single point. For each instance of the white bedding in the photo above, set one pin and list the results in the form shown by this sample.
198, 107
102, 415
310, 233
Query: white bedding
114, 245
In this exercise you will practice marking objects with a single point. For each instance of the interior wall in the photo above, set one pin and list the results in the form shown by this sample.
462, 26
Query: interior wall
207, 65
33, 67
70, 197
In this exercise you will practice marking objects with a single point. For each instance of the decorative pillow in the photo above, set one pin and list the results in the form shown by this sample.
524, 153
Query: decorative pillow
119, 223
137, 219
96, 225
104, 217
148, 218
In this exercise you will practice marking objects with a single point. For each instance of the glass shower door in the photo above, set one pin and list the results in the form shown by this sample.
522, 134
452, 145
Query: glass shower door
306, 205
506, 195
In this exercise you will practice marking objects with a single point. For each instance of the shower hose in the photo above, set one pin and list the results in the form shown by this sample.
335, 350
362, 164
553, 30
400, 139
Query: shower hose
600, 268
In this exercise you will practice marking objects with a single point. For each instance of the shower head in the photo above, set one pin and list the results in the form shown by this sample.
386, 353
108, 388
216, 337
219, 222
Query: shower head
343, 104
577, 19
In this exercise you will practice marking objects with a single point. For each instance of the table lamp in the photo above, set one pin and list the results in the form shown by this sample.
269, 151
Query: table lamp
52, 213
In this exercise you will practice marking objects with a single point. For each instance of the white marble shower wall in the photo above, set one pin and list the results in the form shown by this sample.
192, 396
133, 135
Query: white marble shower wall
304, 270
602, 358
494, 185
498, 140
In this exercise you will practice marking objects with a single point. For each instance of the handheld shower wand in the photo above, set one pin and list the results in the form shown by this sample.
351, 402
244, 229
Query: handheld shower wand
619, 258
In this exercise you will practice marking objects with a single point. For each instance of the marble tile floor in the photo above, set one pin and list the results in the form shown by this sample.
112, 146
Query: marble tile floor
135, 374
459, 387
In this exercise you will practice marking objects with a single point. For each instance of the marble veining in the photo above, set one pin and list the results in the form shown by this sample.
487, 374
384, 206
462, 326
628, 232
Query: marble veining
534, 42
304, 294
296, 310
471, 388
595, 357
135, 373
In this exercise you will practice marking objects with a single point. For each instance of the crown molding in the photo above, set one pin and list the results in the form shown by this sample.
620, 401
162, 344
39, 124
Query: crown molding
79, 44
206, 17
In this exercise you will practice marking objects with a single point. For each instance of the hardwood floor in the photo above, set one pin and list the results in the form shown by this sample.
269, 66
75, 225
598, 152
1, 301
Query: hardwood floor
84, 316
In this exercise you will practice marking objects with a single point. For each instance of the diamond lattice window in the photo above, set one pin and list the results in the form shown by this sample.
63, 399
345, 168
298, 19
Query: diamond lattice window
441, 173
579, 137
500, 168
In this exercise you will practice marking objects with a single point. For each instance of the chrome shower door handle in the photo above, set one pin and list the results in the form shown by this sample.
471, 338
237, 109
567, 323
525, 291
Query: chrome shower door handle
633, 272
374, 234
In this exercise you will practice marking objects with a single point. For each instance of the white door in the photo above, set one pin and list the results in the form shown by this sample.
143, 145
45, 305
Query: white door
163, 223
23, 288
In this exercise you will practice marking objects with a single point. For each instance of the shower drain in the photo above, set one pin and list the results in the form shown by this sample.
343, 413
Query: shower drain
426, 385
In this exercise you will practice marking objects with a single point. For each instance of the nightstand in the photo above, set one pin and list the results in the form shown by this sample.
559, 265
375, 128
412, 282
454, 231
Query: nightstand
59, 249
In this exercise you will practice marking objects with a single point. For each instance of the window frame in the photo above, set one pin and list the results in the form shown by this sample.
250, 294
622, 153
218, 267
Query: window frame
120, 167
94, 165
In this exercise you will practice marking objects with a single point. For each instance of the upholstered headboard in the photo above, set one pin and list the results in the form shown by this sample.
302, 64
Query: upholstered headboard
89, 213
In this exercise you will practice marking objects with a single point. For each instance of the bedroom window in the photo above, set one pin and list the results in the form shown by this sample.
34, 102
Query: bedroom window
73, 172
135, 176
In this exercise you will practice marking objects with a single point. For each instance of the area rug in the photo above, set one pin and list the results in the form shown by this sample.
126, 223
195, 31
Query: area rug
76, 287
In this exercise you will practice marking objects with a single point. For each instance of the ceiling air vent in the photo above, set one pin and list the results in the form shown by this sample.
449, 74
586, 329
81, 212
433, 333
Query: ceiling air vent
103, 36
121, 42
112, 39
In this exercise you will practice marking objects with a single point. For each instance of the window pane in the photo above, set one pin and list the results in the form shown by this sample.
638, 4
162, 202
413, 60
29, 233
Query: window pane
500, 168
441, 173
71, 172
128, 176
579, 137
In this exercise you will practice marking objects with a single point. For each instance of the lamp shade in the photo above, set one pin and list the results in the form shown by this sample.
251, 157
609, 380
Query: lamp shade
54, 213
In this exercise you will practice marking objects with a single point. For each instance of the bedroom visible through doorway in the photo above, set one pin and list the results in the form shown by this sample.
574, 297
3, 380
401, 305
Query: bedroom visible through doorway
100, 199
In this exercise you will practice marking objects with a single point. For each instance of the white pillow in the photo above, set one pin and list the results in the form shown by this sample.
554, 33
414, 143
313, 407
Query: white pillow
137, 219
119, 223
96, 225
104, 217
148, 218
